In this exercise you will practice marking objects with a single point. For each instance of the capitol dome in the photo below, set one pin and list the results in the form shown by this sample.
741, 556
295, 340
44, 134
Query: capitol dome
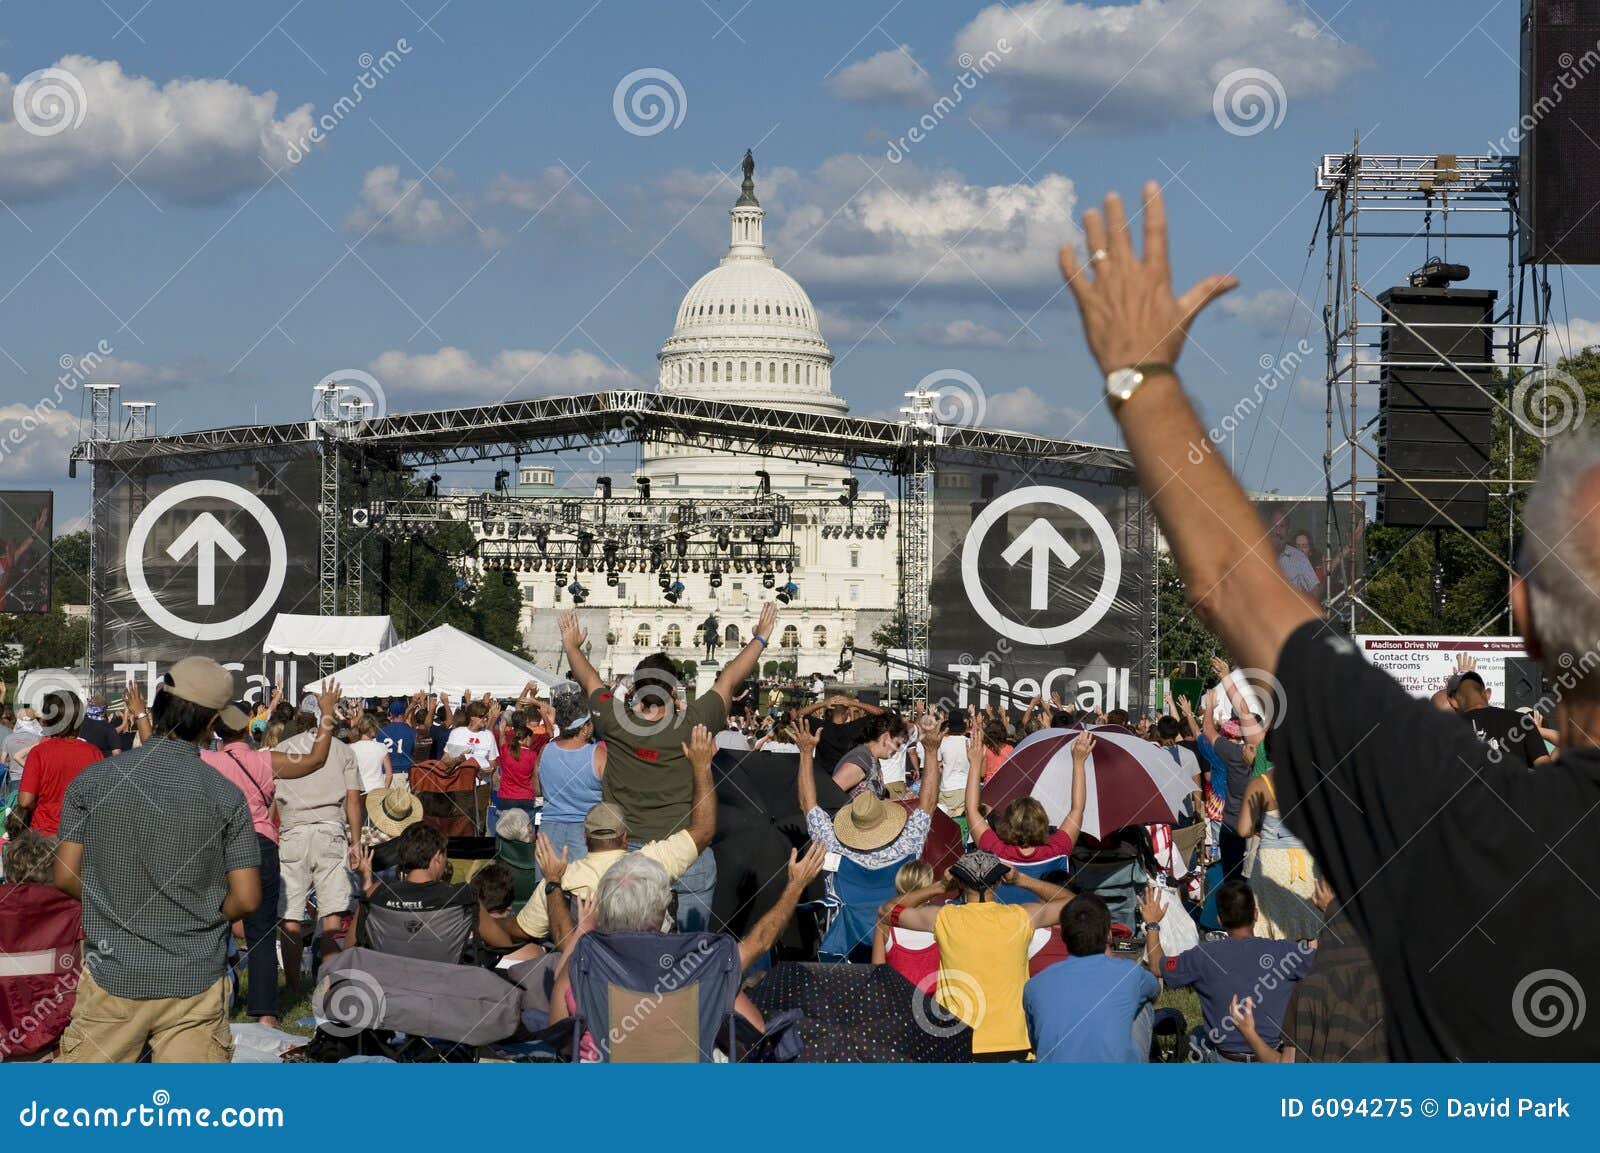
746, 333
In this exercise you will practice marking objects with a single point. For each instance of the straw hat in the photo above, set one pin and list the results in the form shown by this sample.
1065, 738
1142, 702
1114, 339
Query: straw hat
394, 809
868, 822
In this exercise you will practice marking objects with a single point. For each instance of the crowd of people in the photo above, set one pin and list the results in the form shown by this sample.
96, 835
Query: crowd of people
1322, 886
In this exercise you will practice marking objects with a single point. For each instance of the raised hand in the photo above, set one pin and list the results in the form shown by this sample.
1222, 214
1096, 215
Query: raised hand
930, 728
572, 633
1129, 313
328, 698
804, 870
1082, 747
1221, 668
769, 618
1151, 910
805, 738
132, 699
700, 748
552, 866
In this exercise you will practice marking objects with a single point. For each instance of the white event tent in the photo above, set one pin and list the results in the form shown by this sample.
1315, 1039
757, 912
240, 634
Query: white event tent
444, 659
299, 635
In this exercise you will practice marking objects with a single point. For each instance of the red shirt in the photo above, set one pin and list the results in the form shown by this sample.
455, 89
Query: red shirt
1059, 845
52, 765
516, 769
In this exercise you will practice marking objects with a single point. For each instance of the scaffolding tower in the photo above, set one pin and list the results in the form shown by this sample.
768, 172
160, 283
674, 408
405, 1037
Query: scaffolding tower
1407, 198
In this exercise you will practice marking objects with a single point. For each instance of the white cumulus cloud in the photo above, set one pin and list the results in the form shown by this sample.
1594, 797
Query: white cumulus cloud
893, 76
1268, 311
403, 210
970, 334
36, 440
511, 372
1151, 60
190, 141
1024, 410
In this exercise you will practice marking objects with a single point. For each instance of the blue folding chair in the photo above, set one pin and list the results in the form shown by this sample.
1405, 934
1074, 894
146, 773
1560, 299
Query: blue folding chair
849, 912
1016, 894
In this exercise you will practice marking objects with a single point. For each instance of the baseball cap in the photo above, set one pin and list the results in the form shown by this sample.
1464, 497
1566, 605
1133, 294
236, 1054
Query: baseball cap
604, 820
236, 717
397, 708
202, 681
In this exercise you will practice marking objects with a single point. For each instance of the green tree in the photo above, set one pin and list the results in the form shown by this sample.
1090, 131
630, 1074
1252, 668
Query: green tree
1183, 636
69, 569
497, 610
891, 634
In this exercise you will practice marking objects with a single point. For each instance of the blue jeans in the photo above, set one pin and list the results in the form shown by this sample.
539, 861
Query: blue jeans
565, 835
694, 891
261, 938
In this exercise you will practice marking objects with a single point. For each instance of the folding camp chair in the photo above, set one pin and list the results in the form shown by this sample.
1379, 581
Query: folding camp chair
655, 997
449, 796
849, 911
438, 935
1016, 894
1116, 870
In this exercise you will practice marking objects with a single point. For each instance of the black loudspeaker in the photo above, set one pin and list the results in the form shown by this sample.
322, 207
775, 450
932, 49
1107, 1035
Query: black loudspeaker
1559, 165
870, 697
1435, 422
1524, 685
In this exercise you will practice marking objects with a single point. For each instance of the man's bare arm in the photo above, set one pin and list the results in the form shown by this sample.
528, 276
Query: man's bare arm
1130, 318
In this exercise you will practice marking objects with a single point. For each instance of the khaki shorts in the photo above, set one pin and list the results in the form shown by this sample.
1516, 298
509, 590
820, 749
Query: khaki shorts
314, 856
954, 801
106, 1027
896, 789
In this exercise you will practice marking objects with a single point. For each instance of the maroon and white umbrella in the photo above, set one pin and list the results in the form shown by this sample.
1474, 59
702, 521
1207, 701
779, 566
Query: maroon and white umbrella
1130, 780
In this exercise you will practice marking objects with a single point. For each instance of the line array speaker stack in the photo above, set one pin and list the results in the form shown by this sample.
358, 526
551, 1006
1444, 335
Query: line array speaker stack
1435, 427
1559, 161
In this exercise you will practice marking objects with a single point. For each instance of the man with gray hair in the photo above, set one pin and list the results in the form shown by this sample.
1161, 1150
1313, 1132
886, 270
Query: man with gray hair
1464, 874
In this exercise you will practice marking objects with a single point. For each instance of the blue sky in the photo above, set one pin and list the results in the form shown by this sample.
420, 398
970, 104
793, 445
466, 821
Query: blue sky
481, 223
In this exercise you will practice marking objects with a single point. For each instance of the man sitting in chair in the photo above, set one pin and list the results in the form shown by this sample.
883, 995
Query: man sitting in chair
635, 896
420, 915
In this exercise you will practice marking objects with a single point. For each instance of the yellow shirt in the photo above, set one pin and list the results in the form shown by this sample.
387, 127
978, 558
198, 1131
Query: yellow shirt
674, 854
983, 965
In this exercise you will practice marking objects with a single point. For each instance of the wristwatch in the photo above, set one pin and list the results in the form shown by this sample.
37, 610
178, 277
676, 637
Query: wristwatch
551, 887
1122, 383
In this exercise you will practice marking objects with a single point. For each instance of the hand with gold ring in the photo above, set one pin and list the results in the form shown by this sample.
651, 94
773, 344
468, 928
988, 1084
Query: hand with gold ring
1129, 313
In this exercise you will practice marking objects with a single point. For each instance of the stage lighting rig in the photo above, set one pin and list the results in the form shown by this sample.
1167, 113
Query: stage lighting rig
674, 591
767, 580
579, 593
602, 487
765, 479
852, 487
788, 592
611, 579
644, 487
500, 479
716, 578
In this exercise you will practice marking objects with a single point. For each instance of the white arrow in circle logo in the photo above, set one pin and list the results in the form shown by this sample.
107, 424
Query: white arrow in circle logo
203, 538
1041, 541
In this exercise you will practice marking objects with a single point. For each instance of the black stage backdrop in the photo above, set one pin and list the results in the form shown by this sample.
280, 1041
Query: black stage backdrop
196, 555
1043, 581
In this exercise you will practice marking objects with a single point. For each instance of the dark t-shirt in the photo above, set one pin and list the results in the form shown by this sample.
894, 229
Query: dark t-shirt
1231, 754
422, 896
102, 735
835, 740
1265, 971
1468, 880
1507, 733
647, 774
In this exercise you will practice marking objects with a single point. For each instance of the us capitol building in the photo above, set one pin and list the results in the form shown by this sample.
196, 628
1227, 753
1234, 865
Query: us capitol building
746, 333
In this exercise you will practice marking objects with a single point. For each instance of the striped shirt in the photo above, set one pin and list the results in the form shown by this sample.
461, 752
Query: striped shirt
160, 831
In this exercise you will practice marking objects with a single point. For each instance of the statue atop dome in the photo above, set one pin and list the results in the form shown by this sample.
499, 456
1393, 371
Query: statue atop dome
747, 190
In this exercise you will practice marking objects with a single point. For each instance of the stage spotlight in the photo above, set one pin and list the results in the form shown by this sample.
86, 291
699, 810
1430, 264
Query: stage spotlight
611, 580
788, 593
674, 591
508, 578
602, 487
851, 487
767, 581
432, 487
541, 537
657, 556
716, 579
665, 582
579, 593
500, 479
644, 487
765, 478
682, 540
585, 543
722, 539
694, 566
609, 549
